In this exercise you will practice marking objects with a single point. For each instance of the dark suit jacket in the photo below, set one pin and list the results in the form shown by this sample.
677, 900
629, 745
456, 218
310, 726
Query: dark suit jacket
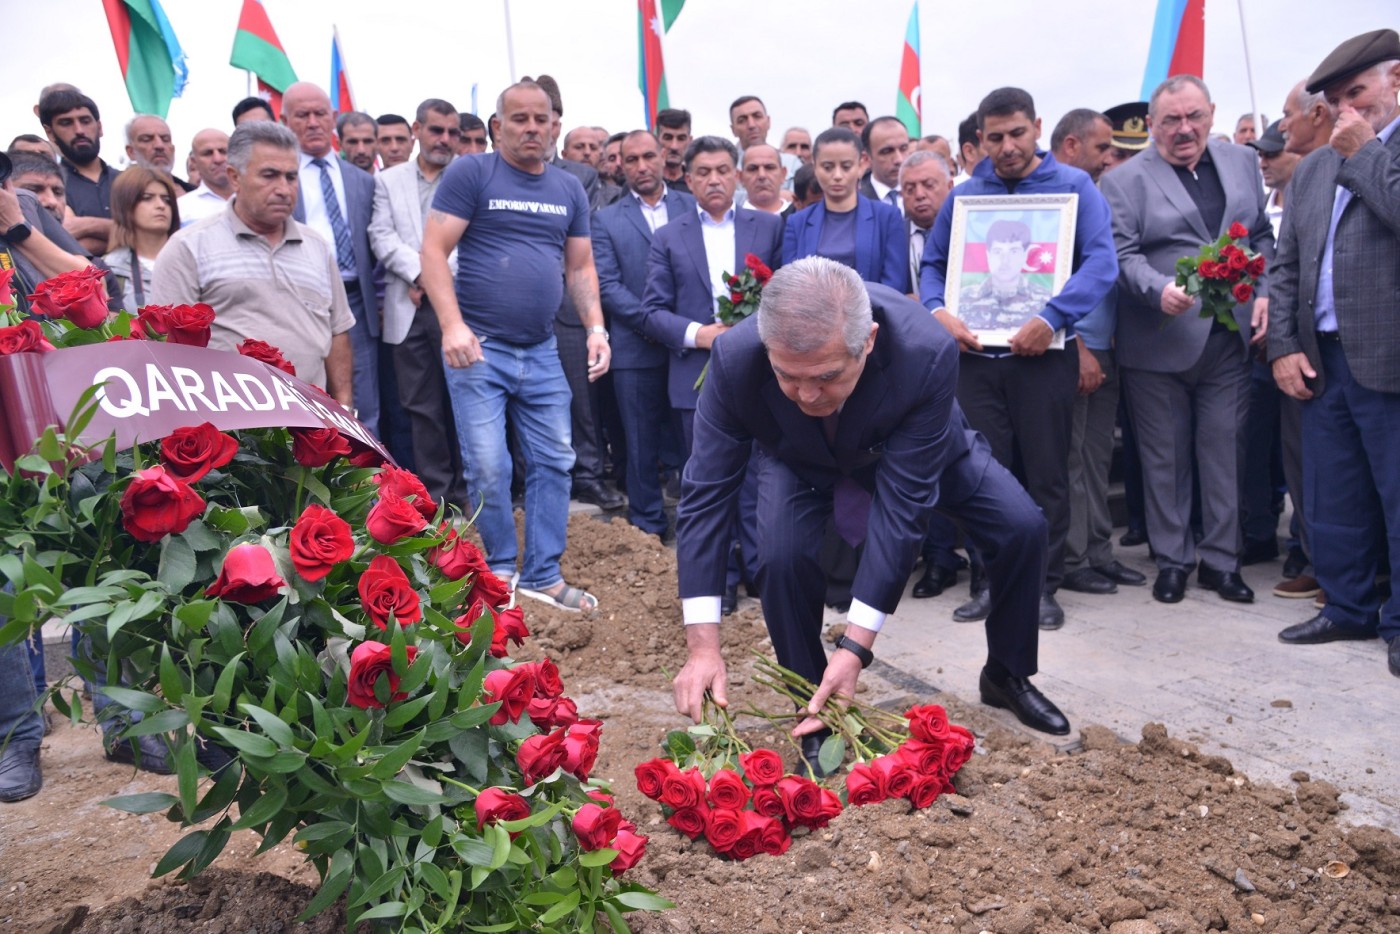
1155, 223
359, 202
678, 287
1365, 262
898, 432
621, 242
882, 243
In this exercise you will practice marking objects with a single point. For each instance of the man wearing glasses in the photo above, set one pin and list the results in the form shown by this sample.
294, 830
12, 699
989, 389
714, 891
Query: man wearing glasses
1186, 377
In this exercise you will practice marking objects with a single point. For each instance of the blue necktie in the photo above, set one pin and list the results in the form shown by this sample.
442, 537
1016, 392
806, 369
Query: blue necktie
344, 251
850, 502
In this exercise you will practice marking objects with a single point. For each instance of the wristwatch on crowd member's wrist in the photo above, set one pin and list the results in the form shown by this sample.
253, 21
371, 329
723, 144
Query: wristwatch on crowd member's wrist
18, 233
855, 648
598, 329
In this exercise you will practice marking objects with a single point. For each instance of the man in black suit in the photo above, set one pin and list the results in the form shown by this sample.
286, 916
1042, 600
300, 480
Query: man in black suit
847, 393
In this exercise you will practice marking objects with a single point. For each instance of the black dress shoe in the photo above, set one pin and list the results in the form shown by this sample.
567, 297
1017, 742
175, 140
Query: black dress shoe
1120, 574
1133, 538
811, 752
1259, 551
1295, 564
1320, 629
1392, 656
1088, 580
730, 601
1228, 584
1170, 586
147, 753
975, 609
598, 494
20, 777
934, 581
1022, 698
1051, 615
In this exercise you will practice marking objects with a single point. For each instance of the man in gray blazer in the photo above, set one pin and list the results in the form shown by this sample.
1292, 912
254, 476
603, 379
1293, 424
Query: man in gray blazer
1334, 344
336, 200
402, 194
1186, 377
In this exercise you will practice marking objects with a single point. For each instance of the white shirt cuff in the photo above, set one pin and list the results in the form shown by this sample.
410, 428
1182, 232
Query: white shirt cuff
691, 330
864, 616
700, 610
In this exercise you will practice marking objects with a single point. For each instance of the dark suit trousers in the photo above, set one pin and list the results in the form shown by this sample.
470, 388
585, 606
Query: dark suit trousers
365, 350
645, 414
1027, 404
583, 408
996, 514
422, 393
1351, 492
745, 535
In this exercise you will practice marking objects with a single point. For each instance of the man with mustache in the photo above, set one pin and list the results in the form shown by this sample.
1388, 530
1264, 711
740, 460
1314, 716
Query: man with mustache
73, 122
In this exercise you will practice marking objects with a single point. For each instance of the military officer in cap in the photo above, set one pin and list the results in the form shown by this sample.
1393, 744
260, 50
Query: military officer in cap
1333, 342
1129, 130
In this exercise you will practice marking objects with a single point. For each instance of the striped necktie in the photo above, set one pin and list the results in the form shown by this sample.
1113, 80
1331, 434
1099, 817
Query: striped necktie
344, 251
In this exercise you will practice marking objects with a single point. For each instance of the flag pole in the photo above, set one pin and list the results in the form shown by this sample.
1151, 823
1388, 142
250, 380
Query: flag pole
249, 87
1249, 73
510, 44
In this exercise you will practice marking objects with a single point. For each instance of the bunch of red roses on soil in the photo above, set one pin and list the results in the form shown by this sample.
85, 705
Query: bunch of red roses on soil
1222, 275
324, 654
712, 784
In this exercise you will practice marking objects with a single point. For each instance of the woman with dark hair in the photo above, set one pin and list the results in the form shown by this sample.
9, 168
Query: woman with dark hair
867, 235
144, 215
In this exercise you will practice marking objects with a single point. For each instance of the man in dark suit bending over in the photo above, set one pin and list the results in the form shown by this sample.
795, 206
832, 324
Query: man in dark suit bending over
847, 390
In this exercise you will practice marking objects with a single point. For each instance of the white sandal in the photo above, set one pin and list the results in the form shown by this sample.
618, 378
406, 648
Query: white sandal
569, 599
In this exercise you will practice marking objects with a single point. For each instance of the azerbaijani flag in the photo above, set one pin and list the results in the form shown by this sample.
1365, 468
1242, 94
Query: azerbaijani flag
150, 57
1178, 42
654, 17
342, 101
256, 48
908, 106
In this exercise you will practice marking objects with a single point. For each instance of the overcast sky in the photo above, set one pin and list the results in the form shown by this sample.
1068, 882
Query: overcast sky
801, 57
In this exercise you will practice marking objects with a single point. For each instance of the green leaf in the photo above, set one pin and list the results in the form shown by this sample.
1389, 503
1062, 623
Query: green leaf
184, 850
500, 844
275, 728
262, 810
331, 889
381, 886
223, 688
392, 762
436, 880
187, 776
170, 684
642, 901
166, 721
404, 793
832, 753
177, 564
323, 830
567, 904
231, 521
146, 803
475, 851
382, 910
595, 858
136, 700
220, 794
619, 924
403, 713
251, 743
200, 538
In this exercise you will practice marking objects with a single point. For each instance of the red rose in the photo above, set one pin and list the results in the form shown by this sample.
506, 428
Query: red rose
260, 350
1256, 266
759, 268
652, 774
767, 802
595, 826
864, 785
547, 680
603, 798
385, 591
727, 790
736, 297
631, 847
494, 805
750, 842
807, 803
78, 296
723, 828
362, 455
393, 518
773, 837
762, 766
456, 557
489, 588
367, 663
896, 772
957, 750
581, 748
925, 790
683, 789
317, 447
927, 722
544, 713
565, 711
23, 337
319, 541
1238, 261
181, 324
247, 576
191, 452
1238, 231
923, 758
540, 755
510, 625
467, 620
690, 821
513, 688
7, 292
405, 484
1242, 291
157, 502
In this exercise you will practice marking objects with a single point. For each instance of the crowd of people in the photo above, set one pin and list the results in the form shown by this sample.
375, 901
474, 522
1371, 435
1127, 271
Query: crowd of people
522, 314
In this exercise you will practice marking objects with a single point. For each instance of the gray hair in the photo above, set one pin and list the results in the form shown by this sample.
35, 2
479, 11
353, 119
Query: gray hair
807, 299
1304, 101
1171, 86
131, 125
918, 157
248, 135
523, 84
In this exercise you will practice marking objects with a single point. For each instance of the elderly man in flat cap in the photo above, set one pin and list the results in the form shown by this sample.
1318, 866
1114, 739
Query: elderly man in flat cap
1333, 342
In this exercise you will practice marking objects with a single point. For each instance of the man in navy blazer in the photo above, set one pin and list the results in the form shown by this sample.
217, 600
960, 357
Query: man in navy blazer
344, 222
847, 392
622, 236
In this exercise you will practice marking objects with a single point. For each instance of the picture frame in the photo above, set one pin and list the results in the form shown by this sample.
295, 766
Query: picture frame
1008, 256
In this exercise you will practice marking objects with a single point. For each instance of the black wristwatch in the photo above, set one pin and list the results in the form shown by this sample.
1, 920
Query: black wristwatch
855, 648
18, 233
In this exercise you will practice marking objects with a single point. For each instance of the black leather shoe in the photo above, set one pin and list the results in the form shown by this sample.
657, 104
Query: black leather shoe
1170, 586
1392, 656
730, 601
1295, 564
20, 777
1088, 580
147, 753
934, 581
811, 752
1320, 629
1260, 551
1228, 584
1117, 572
975, 609
598, 494
1051, 615
1023, 699
1133, 537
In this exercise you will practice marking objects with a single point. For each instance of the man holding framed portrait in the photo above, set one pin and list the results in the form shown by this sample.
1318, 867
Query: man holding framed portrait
1020, 251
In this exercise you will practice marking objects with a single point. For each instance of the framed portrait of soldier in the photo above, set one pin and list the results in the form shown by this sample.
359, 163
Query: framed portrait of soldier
1008, 256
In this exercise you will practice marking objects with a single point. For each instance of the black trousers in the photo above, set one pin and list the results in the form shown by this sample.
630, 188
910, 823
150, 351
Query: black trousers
422, 393
583, 410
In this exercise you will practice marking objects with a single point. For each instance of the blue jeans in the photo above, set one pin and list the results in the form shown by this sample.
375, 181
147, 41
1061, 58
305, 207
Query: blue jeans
17, 697
526, 382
